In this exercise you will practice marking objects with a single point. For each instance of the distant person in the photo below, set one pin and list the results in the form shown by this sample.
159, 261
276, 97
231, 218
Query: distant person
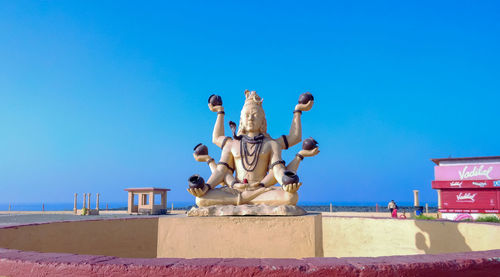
394, 213
391, 206
403, 216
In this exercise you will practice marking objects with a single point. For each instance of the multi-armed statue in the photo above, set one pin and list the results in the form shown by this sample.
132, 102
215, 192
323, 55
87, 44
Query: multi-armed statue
251, 162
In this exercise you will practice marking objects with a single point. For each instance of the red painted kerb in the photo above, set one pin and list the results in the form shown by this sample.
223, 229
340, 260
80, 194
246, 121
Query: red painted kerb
24, 263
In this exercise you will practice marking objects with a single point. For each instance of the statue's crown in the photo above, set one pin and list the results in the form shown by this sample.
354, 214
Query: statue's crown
252, 98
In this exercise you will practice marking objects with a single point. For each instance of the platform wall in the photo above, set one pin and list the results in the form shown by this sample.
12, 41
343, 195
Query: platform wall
362, 237
130, 238
253, 237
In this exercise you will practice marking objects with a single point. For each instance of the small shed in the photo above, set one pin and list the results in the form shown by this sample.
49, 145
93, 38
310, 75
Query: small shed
146, 200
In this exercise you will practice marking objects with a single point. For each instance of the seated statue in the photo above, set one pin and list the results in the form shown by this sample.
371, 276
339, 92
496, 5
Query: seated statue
251, 162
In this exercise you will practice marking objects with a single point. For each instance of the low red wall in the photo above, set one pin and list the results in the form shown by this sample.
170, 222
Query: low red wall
23, 263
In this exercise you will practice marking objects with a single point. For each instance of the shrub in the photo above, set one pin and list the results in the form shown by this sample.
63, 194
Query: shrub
488, 218
424, 217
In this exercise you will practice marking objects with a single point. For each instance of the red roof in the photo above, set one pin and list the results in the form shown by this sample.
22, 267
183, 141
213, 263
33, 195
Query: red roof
437, 161
146, 189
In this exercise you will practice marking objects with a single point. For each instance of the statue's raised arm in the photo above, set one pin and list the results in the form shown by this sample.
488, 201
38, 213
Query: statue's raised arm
215, 105
306, 101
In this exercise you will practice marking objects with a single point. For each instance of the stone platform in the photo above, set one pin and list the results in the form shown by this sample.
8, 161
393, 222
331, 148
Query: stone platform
240, 237
242, 210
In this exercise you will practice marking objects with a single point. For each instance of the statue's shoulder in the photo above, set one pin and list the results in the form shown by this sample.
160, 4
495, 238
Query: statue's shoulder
271, 142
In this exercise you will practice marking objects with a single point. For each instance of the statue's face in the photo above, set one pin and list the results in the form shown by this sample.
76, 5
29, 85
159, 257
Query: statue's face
253, 118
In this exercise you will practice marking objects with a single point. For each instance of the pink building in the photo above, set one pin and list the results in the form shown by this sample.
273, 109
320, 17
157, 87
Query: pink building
467, 186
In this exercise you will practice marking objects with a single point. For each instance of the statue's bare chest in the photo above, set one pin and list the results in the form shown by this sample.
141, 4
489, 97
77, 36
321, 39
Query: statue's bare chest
250, 151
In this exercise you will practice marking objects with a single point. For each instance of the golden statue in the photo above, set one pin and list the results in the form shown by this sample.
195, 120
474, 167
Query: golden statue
253, 157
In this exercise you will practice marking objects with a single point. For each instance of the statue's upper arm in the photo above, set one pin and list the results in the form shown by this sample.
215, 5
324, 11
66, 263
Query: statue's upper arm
227, 155
275, 151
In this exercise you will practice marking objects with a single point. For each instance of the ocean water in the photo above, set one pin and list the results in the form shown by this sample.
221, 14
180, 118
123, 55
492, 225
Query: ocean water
183, 204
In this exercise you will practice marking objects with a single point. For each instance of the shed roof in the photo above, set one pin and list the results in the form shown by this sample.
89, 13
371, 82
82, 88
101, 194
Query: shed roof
437, 161
146, 189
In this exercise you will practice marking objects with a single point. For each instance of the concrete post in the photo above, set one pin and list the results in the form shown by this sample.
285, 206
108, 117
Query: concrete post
84, 201
75, 209
164, 200
130, 202
88, 201
172, 210
152, 199
415, 198
97, 202
331, 208
426, 208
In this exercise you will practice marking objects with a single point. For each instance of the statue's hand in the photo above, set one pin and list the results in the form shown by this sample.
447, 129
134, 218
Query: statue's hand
255, 186
215, 108
304, 107
201, 158
309, 153
292, 187
240, 186
198, 192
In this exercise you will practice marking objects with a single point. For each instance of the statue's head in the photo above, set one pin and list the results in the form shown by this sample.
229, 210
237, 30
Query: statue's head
252, 118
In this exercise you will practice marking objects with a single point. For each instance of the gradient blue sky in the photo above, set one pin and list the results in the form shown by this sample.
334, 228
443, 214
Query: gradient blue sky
98, 96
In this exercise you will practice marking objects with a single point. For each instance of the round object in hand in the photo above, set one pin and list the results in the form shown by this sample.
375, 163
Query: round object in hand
215, 100
201, 149
305, 98
309, 144
196, 182
289, 177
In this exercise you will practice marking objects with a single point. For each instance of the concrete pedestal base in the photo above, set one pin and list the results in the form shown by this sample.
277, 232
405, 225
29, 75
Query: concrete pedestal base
240, 237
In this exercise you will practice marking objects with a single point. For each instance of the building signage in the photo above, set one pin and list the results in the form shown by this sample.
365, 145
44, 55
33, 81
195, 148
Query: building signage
476, 184
468, 211
466, 197
469, 199
467, 172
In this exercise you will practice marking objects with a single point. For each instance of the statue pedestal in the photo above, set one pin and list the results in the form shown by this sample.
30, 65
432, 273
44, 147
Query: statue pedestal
240, 237
242, 210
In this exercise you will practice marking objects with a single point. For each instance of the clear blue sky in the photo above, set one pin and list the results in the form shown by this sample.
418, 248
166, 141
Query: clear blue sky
98, 96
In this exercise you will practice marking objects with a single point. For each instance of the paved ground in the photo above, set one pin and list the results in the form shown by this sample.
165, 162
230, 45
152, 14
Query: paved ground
16, 219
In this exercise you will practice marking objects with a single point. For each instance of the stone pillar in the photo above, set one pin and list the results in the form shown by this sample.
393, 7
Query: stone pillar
84, 201
88, 202
97, 202
152, 203
164, 200
130, 202
415, 198
75, 209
